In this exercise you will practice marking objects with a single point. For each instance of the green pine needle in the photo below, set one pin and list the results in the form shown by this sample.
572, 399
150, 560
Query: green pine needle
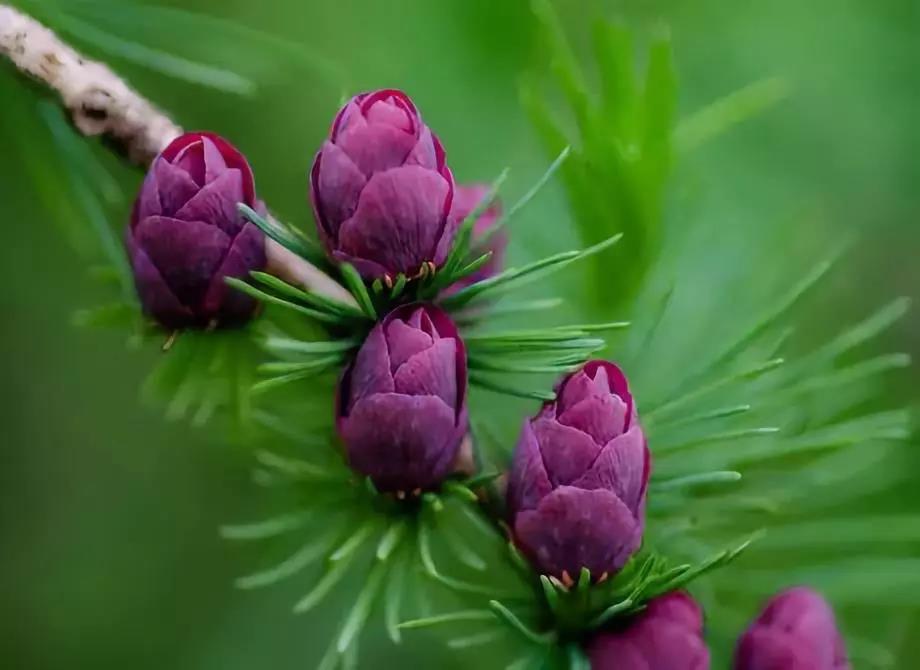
262, 296
356, 286
283, 235
735, 108
498, 387
289, 345
448, 618
506, 615
516, 277
262, 530
360, 611
294, 564
393, 598
699, 479
526, 198
329, 305
390, 540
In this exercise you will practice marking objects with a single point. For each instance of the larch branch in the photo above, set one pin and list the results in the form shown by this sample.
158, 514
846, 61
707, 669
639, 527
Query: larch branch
102, 104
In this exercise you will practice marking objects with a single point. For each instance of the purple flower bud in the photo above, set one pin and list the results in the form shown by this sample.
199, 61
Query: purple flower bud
186, 235
667, 635
576, 492
381, 188
466, 199
402, 403
796, 631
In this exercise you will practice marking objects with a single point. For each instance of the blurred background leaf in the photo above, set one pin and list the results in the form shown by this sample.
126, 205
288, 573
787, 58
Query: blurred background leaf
109, 515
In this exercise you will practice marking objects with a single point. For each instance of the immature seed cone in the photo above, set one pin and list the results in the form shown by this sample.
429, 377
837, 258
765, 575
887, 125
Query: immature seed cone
381, 189
577, 488
667, 635
467, 199
796, 631
402, 403
186, 235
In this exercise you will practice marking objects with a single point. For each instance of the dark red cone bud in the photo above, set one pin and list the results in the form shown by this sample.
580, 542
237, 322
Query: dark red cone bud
795, 631
381, 188
402, 403
186, 235
577, 488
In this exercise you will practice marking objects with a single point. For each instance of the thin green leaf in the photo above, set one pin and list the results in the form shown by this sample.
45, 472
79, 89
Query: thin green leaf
563, 64
76, 155
461, 247
843, 532
719, 560
449, 618
154, 59
258, 294
296, 468
292, 565
735, 108
462, 552
261, 530
393, 597
334, 574
307, 371
260, 52
527, 197
310, 347
699, 479
356, 286
498, 387
612, 611
686, 397
864, 331
720, 413
281, 367
320, 302
613, 47
726, 436
398, 286
117, 315
354, 542
509, 617
549, 592
390, 540
659, 99
357, 617
516, 277
297, 244
577, 658
476, 640
769, 318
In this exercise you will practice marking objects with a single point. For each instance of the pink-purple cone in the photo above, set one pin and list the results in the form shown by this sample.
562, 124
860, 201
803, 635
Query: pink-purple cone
795, 631
466, 199
402, 403
667, 635
381, 189
186, 234
576, 493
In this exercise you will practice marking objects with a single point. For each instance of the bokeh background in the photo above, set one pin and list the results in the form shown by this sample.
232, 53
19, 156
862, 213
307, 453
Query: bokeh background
109, 554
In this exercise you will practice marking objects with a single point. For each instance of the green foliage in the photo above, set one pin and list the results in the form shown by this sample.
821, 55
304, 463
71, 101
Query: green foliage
195, 43
616, 174
760, 435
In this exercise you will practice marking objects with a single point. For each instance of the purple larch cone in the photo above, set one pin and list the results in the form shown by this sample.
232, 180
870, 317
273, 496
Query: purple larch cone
576, 493
402, 403
186, 235
381, 190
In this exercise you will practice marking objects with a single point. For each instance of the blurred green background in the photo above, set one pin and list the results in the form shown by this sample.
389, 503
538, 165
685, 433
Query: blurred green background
109, 555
